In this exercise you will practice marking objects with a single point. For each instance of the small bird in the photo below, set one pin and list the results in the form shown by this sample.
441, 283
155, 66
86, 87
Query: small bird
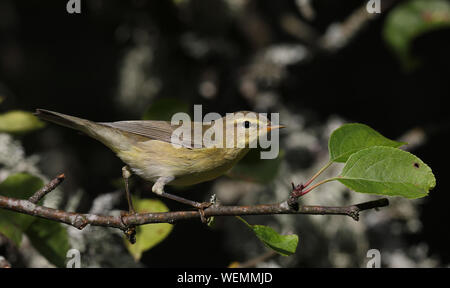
147, 149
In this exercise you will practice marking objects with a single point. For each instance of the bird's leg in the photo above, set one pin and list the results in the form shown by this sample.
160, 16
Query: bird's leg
130, 231
126, 174
158, 188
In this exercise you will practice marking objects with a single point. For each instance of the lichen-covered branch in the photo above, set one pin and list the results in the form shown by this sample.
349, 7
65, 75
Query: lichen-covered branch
124, 222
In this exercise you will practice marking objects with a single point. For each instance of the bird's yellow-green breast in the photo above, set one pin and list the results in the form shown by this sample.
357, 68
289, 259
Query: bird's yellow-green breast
153, 159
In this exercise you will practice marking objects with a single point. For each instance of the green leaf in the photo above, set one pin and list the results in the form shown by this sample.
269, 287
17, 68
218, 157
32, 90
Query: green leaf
147, 236
10, 228
50, 239
282, 244
353, 137
387, 171
411, 19
18, 122
20, 186
253, 168
164, 108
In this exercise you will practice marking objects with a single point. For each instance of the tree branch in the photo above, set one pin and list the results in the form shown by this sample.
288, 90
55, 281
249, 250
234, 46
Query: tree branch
46, 189
124, 222
338, 34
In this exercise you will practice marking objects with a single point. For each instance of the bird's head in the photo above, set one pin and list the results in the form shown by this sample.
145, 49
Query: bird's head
246, 127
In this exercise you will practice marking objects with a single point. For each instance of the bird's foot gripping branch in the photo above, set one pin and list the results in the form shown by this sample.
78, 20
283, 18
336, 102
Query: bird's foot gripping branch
373, 164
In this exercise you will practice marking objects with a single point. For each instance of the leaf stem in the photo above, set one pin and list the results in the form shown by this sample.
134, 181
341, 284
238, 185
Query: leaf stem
316, 185
245, 222
317, 174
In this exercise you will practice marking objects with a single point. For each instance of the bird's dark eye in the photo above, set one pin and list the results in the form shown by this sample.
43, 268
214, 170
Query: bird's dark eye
247, 124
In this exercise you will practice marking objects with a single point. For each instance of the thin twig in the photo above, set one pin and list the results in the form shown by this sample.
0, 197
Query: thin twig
46, 189
338, 35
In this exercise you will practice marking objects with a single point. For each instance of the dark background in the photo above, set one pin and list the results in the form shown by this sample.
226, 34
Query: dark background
70, 63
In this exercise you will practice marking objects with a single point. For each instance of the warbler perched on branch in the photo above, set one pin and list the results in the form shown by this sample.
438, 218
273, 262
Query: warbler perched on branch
151, 151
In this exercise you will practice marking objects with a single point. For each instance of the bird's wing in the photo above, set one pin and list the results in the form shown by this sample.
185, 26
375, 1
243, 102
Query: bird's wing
155, 130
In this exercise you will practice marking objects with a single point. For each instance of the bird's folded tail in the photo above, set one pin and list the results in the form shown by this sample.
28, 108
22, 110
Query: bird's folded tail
64, 120
111, 137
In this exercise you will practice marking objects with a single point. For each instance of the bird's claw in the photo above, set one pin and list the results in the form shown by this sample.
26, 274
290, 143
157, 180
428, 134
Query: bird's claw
130, 230
201, 209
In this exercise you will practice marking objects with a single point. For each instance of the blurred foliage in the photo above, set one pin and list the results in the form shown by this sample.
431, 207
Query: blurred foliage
147, 236
19, 122
410, 20
48, 237
18, 186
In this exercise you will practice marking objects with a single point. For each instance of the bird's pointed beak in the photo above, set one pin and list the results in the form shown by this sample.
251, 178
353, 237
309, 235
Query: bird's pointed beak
272, 127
